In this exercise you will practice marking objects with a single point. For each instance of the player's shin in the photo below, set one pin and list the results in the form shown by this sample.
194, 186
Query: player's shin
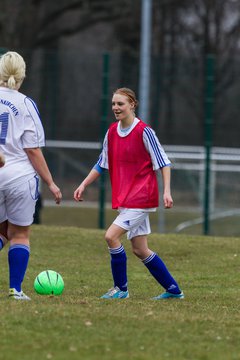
160, 272
18, 256
119, 267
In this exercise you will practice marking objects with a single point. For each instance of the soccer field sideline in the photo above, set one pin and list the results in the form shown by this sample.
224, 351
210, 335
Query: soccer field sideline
85, 216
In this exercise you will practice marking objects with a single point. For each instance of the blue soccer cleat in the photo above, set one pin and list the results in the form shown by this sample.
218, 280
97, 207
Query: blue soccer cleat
168, 295
115, 293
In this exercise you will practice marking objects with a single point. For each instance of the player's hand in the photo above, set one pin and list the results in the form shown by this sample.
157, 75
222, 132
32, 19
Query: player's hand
56, 192
168, 201
78, 193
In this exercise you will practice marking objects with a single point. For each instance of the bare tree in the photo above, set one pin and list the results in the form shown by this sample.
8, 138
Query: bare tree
33, 23
185, 32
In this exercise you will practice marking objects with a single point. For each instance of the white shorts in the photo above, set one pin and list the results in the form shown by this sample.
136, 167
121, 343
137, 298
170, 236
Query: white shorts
17, 204
135, 222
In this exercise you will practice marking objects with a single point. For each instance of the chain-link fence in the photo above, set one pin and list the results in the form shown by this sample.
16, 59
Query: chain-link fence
68, 88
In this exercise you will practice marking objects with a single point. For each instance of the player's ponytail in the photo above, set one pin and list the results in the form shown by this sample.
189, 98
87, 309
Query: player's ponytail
12, 70
11, 83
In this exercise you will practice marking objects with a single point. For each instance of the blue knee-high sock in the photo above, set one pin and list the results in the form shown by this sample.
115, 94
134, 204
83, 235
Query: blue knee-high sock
18, 256
119, 267
160, 272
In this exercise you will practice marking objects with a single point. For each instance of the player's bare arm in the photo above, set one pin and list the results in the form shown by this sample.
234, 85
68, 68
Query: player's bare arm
166, 176
92, 176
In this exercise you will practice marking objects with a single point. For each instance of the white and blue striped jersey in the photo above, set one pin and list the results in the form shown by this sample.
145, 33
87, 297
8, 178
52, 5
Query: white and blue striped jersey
20, 128
154, 148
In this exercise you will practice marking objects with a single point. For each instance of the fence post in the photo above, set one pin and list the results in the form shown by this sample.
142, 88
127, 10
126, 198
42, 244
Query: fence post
145, 60
105, 89
208, 108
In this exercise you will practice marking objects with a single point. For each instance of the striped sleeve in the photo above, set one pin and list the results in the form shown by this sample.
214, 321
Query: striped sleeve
33, 130
103, 158
154, 148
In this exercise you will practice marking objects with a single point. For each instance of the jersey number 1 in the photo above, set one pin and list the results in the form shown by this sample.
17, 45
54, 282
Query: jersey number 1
3, 127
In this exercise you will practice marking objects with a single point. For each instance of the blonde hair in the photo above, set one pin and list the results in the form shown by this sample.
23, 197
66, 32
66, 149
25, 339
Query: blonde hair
12, 70
130, 94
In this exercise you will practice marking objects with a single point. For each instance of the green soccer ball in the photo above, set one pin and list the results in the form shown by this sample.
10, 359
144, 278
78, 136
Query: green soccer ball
49, 282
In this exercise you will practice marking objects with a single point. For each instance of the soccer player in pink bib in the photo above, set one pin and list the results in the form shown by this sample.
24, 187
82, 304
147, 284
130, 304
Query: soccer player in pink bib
21, 139
132, 154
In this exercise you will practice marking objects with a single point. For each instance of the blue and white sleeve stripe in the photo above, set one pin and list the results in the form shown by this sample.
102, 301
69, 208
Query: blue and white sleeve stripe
33, 104
34, 132
103, 158
155, 149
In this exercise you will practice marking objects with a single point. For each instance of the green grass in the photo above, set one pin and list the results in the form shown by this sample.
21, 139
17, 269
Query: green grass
79, 325
88, 218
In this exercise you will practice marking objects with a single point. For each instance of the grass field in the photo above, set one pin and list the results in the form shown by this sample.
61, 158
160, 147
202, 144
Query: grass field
79, 325
88, 218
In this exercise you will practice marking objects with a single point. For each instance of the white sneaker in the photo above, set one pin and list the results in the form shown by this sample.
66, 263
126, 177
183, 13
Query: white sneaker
18, 295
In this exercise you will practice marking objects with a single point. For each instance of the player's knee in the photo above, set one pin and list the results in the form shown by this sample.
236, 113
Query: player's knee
111, 240
108, 238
